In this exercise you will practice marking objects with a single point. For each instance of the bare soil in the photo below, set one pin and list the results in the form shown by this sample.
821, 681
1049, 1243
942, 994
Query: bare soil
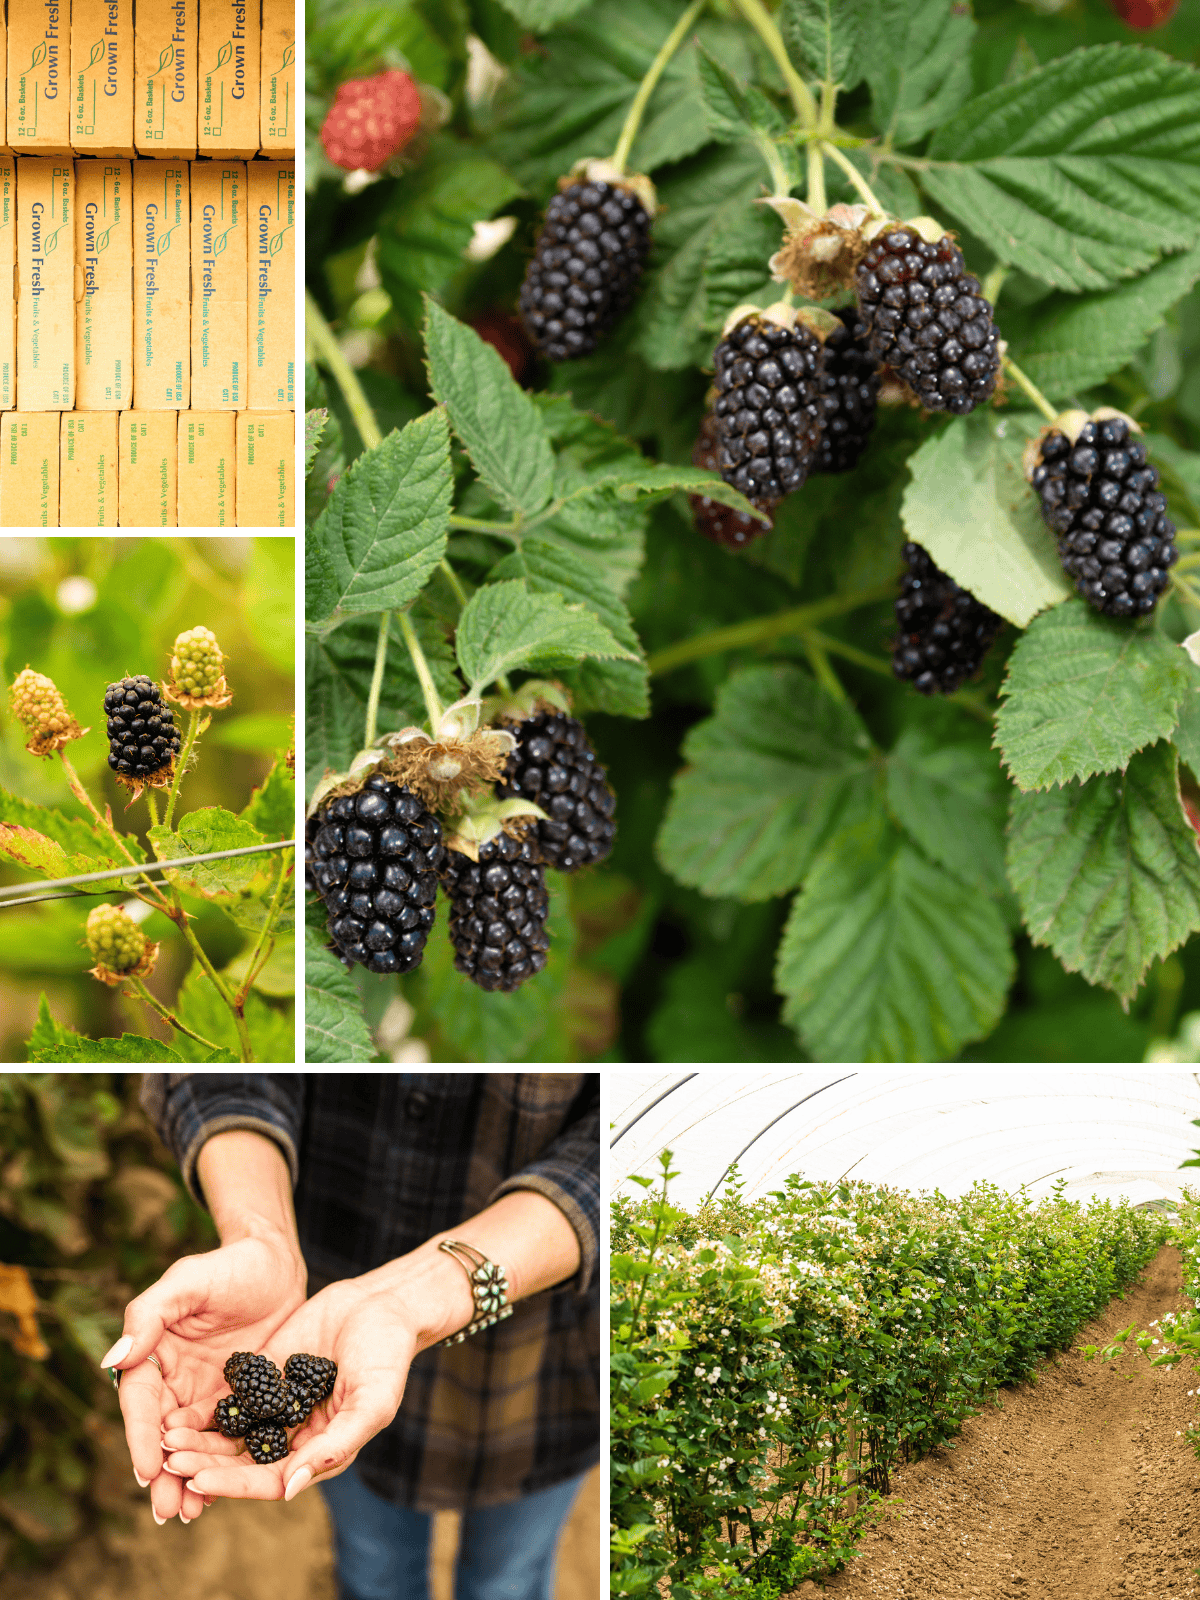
250, 1550
1079, 1485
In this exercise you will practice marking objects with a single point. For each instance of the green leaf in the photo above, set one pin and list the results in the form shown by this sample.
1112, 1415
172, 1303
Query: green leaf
225, 882
1107, 872
30, 834
969, 506
1180, 471
271, 810
496, 420
822, 38
887, 957
314, 426
384, 529
946, 790
429, 222
770, 778
503, 626
1079, 341
735, 265
918, 64
1081, 172
50, 1041
1084, 692
621, 688
568, 100
334, 1028
1186, 737
733, 108
539, 15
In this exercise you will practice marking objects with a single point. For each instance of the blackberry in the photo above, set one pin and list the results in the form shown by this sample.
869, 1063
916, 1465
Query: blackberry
498, 908
298, 1406
586, 265
926, 318
230, 1369
555, 766
768, 406
258, 1387
231, 1419
266, 1442
850, 385
142, 737
722, 524
314, 1373
1103, 501
944, 631
376, 856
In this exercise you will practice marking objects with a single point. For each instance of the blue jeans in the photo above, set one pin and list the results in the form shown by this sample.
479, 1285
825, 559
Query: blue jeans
505, 1553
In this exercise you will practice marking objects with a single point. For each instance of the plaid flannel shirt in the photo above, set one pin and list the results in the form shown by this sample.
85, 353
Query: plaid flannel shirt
379, 1163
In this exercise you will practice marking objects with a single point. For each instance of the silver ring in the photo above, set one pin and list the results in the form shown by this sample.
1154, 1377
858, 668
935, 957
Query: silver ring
158, 1364
115, 1372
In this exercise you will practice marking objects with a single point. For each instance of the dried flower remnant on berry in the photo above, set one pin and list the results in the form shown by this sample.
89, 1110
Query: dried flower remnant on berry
38, 706
198, 671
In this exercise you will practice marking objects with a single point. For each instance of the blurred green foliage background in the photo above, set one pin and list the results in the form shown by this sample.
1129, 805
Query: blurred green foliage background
86, 612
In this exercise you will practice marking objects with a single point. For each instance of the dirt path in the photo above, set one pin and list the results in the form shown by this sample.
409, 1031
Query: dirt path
1078, 1488
245, 1550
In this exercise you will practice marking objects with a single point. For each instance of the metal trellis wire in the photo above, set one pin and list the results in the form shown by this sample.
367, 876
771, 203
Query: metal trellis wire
15, 897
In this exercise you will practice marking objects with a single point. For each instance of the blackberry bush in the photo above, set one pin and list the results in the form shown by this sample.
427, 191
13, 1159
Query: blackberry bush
817, 299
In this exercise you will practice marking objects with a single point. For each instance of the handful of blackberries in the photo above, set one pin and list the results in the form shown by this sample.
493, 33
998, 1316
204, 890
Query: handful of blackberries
266, 1402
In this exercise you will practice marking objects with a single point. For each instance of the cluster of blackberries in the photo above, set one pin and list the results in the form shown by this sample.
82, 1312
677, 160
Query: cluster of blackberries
1102, 500
265, 1402
376, 858
585, 267
142, 736
944, 632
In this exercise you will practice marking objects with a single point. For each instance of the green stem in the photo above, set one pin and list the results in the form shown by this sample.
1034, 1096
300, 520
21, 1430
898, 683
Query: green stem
381, 644
761, 630
848, 652
822, 671
1031, 389
144, 995
854, 175
152, 803
1186, 592
993, 283
193, 731
1185, 563
424, 676
455, 582
763, 23
154, 895
330, 351
816, 180
478, 525
1187, 535
781, 183
650, 82
261, 953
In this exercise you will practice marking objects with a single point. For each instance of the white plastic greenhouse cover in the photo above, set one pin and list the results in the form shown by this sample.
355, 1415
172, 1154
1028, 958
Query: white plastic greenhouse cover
1106, 1133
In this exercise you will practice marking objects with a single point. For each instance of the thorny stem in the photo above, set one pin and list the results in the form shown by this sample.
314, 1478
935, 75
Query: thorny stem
330, 351
381, 644
1031, 389
143, 994
421, 668
650, 82
193, 731
152, 805
854, 175
763, 23
761, 630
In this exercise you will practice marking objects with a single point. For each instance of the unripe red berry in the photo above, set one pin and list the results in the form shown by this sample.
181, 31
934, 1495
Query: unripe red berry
371, 120
1145, 14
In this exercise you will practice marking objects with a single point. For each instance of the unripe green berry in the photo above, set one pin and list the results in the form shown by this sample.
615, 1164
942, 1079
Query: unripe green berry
197, 664
114, 938
38, 706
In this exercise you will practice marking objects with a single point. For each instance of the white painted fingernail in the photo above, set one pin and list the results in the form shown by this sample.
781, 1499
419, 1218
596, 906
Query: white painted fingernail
118, 1352
174, 1471
183, 1519
162, 1521
142, 1483
299, 1480
190, 1484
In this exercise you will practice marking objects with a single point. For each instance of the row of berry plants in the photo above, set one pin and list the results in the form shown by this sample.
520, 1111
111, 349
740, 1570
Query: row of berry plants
773, 1361
918, 377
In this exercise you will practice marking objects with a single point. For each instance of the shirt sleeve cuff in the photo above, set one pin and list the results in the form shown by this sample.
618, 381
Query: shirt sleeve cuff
224, 1124
576, 1215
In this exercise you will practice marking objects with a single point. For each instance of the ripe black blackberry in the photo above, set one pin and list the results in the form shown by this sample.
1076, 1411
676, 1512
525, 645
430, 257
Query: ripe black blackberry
258, 1387
555, 766
316, 1373
231, 1417
1103, 501
926, 318
850, 384
944, 632
142, 736
498, 908
266, 1442
585, 267
722, 524
298, 1406
768, 406
229, 1371
376, 856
